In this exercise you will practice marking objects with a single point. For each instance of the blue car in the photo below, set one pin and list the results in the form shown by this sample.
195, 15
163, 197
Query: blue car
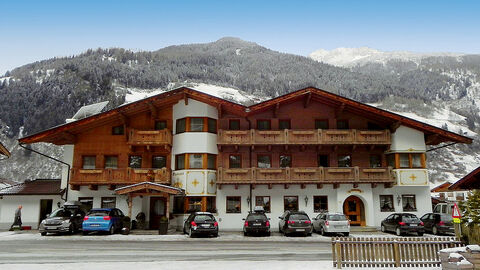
103, 220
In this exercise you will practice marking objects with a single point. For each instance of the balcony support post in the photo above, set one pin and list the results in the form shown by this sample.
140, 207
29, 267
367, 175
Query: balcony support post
319, 186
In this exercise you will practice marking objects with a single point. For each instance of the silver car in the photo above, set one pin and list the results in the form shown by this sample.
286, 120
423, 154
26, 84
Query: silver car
331, 223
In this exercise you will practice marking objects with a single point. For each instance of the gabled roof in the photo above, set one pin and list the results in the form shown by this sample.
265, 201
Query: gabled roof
34, 187
149, 187
468, 182
65, 134
441, 188
4, 151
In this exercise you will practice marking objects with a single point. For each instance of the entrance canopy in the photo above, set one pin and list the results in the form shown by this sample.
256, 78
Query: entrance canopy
146, 188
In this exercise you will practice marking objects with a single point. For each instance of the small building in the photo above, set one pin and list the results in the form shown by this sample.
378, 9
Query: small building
38, 198
184, 150
470, 181
443, 193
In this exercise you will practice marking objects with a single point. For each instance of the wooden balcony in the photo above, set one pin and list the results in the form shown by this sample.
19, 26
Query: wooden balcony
150, 137
303, 137
121, 176
305, 175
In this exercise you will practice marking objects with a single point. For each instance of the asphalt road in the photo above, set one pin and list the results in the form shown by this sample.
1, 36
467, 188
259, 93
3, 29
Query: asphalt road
36, 251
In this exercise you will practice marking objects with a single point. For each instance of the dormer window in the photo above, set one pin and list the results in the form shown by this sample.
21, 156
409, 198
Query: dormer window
117, 130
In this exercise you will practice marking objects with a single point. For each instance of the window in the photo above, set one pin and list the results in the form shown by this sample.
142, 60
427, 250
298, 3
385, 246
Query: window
194, 204
181, 125
160, 124
320, 204
235, 161
180, 162
195, 161
135, 161
284, 124
263, 201
408, 202
375, 161
416, 160
159, 162
87, 202
322, 161
196, 125
178, 205
111, 162
345, 161
342, 124
264, 161
234, 124
88, 162
212, 125
404, 161
290, 203
234, 205
211, 204
386, 203
321, 124
108, 202
285, 161
391, 160
263, 125
118, 130
211, 161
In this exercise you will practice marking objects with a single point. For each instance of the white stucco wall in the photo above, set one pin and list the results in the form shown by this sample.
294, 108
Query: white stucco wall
406, 139
67, 158
30, 210
193, 109
194, 142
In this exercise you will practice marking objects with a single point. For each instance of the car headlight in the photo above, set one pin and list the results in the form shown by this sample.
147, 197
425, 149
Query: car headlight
43, 222
66, 222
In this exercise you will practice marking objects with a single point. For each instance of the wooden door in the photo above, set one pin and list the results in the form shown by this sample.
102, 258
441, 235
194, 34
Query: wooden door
158, 206
45, 208
354, 209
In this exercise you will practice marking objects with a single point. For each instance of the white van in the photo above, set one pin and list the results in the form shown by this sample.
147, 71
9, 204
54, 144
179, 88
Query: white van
444, 208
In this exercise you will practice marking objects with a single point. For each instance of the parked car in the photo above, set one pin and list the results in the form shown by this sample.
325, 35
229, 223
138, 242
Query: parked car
256, 222
295, 222
402, 223
67, 219
438, 223
331, 223
444, 208
201, 223
103, 219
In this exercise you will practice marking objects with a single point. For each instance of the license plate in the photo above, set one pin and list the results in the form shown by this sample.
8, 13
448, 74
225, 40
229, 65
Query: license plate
95, 225
257, 224
50, 228
206, 225
300, 230
413, 225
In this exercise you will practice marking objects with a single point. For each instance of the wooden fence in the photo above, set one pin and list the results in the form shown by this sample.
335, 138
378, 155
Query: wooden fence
389, 252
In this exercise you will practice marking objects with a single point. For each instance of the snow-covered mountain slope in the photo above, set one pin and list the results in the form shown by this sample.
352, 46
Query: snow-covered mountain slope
348, 57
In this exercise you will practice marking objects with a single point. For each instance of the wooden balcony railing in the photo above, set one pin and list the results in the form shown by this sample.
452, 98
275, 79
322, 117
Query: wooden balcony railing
119, 176
305, 175
150, 137
306, 136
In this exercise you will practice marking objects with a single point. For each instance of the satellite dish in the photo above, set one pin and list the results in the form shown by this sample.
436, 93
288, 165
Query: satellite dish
89, 110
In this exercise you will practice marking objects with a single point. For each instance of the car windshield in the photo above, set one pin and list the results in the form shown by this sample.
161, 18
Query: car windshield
336, 217
61, 213
409, 218
199, 218
299, 217
255, 217
99, 213
445, 218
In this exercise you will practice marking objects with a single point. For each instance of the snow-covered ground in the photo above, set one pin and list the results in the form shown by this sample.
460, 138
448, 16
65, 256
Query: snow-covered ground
201, 265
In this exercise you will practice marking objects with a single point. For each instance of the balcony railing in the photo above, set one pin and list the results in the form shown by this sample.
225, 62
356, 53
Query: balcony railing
304, 136
150, 137
119, 176
305, 175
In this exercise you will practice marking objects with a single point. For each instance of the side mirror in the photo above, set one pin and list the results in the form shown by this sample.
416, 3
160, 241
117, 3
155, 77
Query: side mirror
243, 219
269, 219
280, 217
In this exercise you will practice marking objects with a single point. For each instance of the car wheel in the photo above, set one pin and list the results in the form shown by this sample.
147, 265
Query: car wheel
346, 234
112, 230
71, 230
84, 232
382, 228
308, 234
434, 230
420, 233
322, 231
43, 233
190, 233
245, 233
215, 235
268, 234
398, 231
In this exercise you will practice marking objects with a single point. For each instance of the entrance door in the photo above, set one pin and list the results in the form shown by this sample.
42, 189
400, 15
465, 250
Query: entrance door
45, 209
354, 210
157, 210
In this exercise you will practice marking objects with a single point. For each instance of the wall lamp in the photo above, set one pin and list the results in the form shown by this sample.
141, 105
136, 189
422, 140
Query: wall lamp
248, 200
399, 199
306, 200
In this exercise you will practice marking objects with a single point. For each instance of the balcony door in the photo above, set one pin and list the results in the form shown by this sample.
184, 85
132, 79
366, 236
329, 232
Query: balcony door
354, 209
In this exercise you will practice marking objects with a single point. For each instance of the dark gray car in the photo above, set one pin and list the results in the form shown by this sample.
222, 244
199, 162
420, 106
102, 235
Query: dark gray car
295, 222
437, 223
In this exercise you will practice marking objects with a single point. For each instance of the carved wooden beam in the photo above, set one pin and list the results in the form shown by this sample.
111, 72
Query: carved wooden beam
374, 185
219, 110
93, 187
236, 186
307, 100
124, 118
302, 186
111, 187
339, 110
69, 137
431, 138
335, 186
275, 110
270, 186
219, 186
286, 186
388, 185
153, 109
253, 186
319, 186
394, 126
355, 185
185, 98
74, 187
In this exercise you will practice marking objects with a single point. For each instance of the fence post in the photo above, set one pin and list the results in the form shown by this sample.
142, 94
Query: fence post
338, 250
396, 253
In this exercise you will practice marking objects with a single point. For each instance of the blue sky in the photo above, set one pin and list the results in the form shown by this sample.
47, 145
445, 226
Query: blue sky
36, 30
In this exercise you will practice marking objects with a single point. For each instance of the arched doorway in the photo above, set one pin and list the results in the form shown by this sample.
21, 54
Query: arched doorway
354, 209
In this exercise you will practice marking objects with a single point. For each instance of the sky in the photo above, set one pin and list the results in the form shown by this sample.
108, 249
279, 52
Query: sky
36, 30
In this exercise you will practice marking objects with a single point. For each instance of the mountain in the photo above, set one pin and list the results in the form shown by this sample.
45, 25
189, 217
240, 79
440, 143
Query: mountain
43, 94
